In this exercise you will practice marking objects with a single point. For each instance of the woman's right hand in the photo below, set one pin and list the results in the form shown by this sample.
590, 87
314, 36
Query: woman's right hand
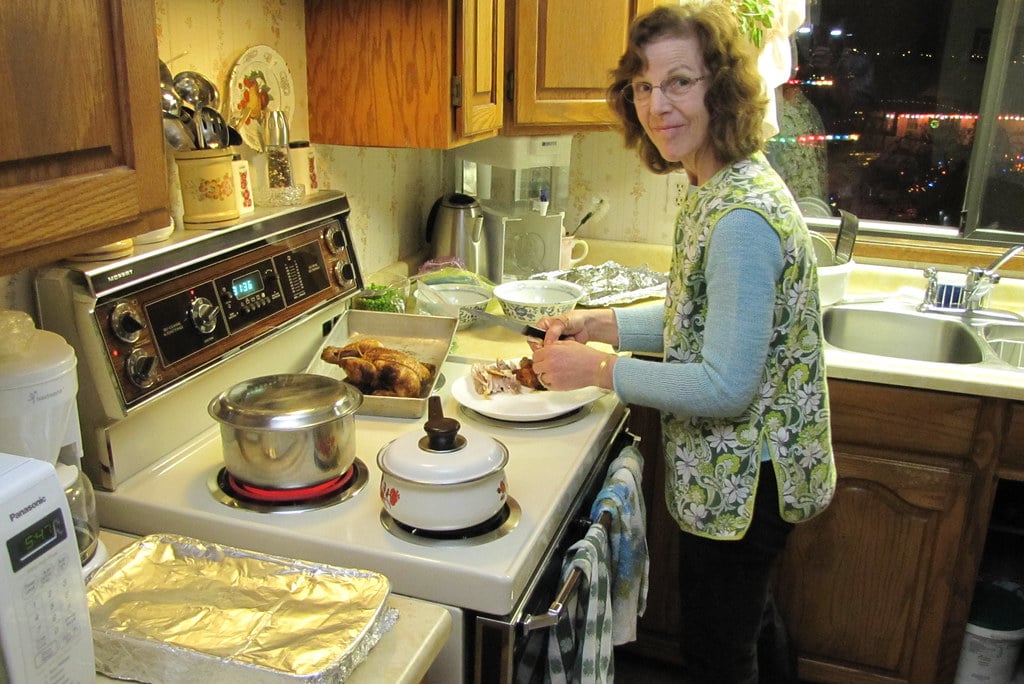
580, 325
564, 326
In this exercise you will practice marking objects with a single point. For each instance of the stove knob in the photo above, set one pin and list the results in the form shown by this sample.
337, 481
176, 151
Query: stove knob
141, 368
203, 314
334, 236
126, 322
344, 272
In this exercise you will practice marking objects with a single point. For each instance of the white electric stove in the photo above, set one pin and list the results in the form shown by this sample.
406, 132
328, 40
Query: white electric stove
546, 470
160, 334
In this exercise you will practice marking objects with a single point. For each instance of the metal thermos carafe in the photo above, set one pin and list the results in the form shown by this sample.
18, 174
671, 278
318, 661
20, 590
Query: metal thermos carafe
455, 228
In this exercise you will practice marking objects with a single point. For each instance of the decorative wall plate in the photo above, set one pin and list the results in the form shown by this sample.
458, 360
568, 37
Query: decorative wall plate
260, 81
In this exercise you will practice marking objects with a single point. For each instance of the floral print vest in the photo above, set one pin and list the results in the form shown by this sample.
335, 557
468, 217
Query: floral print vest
712, 463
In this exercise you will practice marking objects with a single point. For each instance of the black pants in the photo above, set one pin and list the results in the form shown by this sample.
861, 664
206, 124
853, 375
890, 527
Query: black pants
731, 630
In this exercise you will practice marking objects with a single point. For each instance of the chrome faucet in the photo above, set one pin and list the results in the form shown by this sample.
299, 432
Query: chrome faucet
952, 293
980, 281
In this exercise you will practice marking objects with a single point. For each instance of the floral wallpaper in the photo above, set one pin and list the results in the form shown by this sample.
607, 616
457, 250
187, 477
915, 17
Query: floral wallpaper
641, 205
390, 190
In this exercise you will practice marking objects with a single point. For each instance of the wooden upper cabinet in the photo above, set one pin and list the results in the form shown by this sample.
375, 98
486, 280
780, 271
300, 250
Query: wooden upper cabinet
394, 73
81, 152
559, 55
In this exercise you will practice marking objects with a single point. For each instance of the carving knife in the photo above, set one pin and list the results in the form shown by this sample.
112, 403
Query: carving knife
516, 326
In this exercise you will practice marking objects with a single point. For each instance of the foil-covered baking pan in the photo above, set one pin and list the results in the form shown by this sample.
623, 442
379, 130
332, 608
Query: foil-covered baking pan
169, 608
426, 338
612, 283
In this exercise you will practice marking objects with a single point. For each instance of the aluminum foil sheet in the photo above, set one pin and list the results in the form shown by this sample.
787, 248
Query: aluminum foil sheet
612, 283
173, 609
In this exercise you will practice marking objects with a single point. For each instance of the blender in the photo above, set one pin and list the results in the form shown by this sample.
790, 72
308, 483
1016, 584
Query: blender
39, 419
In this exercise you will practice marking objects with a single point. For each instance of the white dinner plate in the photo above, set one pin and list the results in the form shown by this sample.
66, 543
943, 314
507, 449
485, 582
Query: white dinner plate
524, 407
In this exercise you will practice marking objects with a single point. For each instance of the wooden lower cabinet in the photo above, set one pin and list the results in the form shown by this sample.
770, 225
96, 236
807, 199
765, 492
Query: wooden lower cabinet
865, 587
878, 587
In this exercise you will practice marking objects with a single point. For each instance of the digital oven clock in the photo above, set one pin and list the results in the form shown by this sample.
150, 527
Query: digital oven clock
246, 286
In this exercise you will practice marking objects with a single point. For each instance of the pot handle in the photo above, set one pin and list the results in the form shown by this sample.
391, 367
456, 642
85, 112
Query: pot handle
442, 432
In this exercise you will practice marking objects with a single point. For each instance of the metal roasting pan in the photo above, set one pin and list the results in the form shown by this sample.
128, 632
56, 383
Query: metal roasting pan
426, 338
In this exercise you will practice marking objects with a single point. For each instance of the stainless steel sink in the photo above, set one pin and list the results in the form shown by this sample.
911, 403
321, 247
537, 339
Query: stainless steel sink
903, 335
991, 337
1006, 341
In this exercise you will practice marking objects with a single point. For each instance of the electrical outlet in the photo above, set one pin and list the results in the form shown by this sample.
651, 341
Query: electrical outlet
678, 187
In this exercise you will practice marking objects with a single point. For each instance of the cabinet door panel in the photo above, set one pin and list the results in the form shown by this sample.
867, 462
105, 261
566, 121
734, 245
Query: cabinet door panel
381, 72
862, 584
81, 155
563, 53
483, 31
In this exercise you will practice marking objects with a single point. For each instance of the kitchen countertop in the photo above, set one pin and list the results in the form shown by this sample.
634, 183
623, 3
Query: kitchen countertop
867, 281
403, 654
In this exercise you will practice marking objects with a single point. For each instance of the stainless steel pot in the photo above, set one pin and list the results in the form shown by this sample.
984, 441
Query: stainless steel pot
445, 480
289, 430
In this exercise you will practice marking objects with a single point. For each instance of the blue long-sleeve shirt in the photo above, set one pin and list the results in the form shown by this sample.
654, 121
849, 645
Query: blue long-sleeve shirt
744, 265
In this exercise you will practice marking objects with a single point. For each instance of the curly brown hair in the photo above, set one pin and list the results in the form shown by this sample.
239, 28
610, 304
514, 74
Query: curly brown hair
735, 97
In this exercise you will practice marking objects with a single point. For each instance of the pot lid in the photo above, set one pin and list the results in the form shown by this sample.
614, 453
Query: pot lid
449, 453
289, 401
29, 356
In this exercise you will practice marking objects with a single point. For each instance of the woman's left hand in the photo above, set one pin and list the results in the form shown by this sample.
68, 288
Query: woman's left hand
568, 365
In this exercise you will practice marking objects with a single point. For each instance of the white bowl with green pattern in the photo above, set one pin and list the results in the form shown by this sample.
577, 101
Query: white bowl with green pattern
528, 301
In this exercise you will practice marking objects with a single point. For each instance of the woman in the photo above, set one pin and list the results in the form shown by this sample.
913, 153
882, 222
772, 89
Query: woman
742, 389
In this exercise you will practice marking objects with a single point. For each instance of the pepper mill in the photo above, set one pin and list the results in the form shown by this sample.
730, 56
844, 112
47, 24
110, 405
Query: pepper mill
280, 186
279, 164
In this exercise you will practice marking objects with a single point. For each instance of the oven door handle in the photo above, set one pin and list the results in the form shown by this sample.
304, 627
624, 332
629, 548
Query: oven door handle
557, 608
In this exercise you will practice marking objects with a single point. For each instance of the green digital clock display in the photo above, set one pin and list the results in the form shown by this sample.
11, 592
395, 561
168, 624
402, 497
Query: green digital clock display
35, 540
247, 285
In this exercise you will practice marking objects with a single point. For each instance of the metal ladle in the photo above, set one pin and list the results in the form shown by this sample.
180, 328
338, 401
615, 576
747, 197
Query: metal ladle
197, 90
178, 134
170, 101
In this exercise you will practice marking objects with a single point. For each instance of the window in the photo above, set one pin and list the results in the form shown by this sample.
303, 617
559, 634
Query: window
908, 114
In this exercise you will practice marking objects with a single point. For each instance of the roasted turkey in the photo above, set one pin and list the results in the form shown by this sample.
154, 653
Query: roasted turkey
379, 370
505, 376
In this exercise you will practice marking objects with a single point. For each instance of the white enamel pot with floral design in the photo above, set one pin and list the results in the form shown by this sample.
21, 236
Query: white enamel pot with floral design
445, 477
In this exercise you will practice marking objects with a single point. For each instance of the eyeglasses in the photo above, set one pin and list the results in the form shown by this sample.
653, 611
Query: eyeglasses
674, 88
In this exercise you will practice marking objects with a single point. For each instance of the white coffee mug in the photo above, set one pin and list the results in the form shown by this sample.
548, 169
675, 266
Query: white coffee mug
574, 250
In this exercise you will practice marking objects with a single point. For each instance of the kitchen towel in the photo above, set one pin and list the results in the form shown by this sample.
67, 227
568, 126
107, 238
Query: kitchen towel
630, 563
580, 646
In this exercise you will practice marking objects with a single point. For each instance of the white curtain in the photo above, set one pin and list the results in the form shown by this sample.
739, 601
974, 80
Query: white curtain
776, 60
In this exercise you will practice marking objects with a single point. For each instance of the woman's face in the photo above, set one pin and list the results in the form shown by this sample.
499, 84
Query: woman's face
678, 127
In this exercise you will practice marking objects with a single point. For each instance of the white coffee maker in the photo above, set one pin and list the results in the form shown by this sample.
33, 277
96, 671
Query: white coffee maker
39, 418
522, 184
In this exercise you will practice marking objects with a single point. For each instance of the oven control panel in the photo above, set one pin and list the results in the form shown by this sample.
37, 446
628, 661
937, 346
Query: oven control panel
156, 336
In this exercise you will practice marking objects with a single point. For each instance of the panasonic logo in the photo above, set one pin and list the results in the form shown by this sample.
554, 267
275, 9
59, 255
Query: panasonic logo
35, 397
28, 509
